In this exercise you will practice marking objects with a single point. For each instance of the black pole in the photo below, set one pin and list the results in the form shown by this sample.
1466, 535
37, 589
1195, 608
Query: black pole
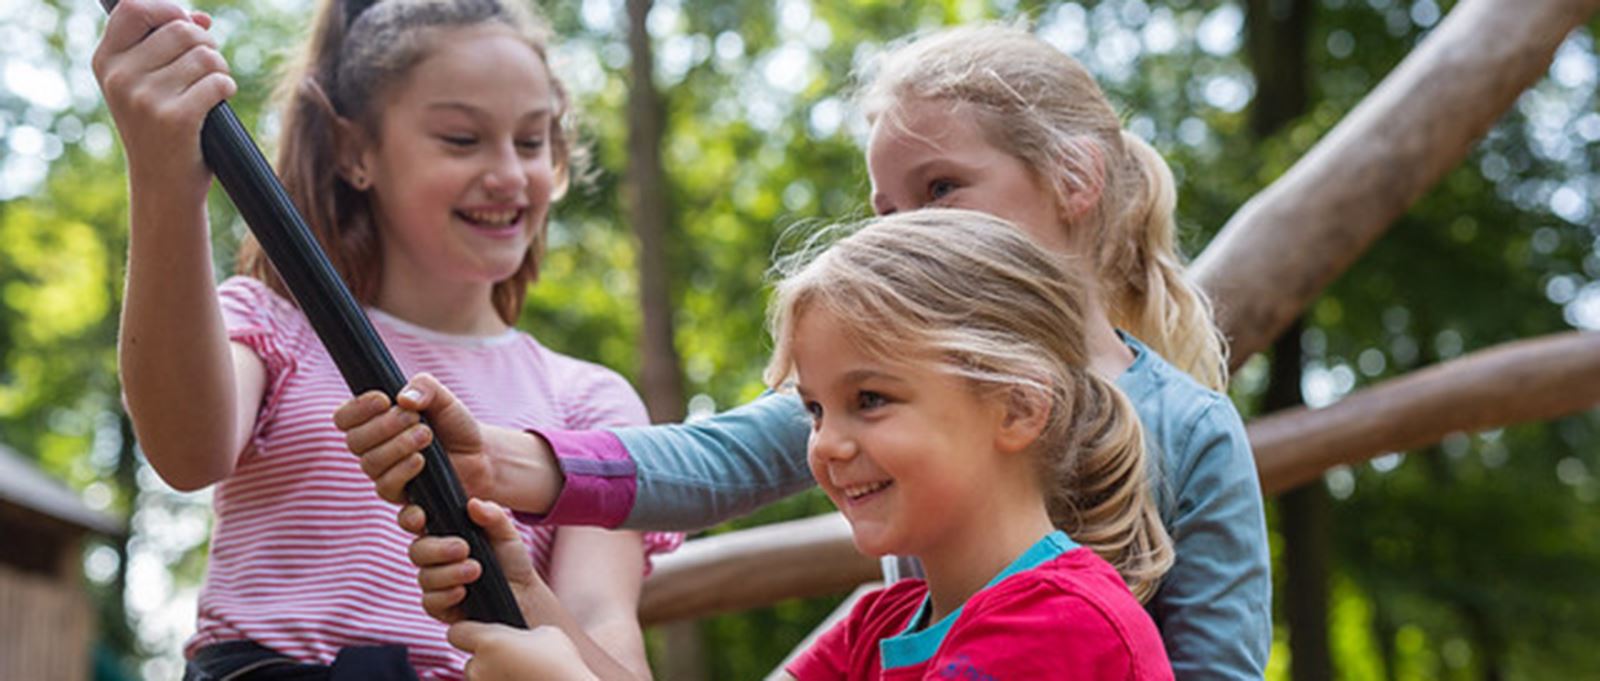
347, 334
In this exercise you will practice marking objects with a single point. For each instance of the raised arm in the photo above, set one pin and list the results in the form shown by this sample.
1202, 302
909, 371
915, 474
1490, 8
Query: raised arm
192, 395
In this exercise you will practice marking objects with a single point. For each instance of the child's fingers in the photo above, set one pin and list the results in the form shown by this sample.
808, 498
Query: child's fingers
132, 20
443, 605
448, 576
413, 519
169, 44
201, 19
429, 551
395, 427
390, 482
360, 409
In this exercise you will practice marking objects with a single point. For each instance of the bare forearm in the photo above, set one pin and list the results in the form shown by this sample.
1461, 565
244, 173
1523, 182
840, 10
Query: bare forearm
175, 360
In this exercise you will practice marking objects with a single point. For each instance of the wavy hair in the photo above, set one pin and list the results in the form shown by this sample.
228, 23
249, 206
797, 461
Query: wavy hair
1007, 317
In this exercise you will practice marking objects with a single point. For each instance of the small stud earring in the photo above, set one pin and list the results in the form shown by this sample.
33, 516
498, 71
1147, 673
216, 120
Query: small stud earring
358, 180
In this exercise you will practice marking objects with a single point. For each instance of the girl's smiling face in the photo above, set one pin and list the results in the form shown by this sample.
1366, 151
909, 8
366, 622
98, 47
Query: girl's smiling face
461, 169
906, 452
927, 153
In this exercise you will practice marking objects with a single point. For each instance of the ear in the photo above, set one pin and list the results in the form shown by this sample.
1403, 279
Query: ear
1078, 190
354, 153
1026, 413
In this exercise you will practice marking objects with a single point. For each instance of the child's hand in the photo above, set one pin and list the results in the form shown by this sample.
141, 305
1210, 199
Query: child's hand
508, 466
444, 569
389, 439
161, 72
500, 652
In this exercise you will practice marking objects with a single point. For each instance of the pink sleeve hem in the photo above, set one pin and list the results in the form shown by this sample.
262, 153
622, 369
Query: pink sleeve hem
600, 480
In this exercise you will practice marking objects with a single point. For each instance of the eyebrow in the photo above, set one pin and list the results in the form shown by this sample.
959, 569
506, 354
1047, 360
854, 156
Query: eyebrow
863, 375
476, 112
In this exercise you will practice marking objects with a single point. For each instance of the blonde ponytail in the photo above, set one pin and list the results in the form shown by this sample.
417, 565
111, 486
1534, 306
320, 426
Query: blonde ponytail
1143, 277
1101, 496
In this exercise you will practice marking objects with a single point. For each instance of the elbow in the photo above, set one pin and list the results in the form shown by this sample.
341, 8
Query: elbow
183, 473
184, 464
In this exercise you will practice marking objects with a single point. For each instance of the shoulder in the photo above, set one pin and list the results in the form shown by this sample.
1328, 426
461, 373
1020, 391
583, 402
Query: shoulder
594, 396
1191, 425
251, 297
1073, 612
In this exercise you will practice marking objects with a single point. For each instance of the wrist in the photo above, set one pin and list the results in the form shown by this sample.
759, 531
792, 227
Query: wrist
527, 476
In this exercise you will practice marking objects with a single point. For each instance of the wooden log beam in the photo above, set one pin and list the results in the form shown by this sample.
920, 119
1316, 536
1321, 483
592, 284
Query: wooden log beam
1518, 382
754, 568
1290, 241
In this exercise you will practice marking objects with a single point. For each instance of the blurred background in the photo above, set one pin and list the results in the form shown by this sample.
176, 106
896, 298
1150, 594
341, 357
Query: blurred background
1477, 558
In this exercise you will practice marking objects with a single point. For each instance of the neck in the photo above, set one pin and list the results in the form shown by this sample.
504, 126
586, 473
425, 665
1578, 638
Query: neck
463, 309
1108, 355
960, 566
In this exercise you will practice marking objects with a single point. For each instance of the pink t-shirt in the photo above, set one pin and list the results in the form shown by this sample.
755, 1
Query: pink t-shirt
305, 558
1070, 617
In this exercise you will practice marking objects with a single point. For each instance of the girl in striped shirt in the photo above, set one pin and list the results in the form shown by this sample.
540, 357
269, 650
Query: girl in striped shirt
424, 142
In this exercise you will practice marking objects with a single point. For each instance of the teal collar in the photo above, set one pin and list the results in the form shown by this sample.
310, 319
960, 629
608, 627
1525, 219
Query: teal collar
912, 647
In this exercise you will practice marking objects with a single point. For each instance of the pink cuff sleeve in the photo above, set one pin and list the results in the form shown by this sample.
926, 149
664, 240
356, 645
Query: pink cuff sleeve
600, 480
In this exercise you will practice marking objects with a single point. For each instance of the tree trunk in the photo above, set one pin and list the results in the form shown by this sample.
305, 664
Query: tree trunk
651, 214
1276, 36
1303, 520
1294, 238
683, 650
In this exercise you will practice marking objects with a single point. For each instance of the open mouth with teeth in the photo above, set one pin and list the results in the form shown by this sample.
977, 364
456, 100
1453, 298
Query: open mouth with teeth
855, 493
493, 220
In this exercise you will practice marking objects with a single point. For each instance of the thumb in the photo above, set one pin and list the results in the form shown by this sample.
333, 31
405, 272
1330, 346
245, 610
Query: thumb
450, 419
496, 523
467, 636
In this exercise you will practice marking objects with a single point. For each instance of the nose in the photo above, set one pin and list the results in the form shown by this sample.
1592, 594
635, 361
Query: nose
832, 443
503, 173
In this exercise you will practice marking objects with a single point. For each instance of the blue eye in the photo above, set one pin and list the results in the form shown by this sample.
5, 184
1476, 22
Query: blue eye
867, 400
939, 189
815, 410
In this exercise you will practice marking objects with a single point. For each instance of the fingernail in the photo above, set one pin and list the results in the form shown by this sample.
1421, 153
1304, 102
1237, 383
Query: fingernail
411, 394
419, 434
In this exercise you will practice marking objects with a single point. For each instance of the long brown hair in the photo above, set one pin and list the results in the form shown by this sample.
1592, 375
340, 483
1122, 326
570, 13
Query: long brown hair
358, 52
997, 310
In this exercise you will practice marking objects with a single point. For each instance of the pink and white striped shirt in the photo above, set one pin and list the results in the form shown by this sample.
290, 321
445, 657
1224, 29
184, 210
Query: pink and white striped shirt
305, 558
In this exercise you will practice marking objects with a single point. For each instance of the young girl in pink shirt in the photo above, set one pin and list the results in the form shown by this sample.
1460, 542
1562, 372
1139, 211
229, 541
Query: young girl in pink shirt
424, 142
955, 418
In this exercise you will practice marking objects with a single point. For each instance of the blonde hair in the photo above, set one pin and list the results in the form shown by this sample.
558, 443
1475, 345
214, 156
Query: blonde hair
974, 292
1040, 105
358, 52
